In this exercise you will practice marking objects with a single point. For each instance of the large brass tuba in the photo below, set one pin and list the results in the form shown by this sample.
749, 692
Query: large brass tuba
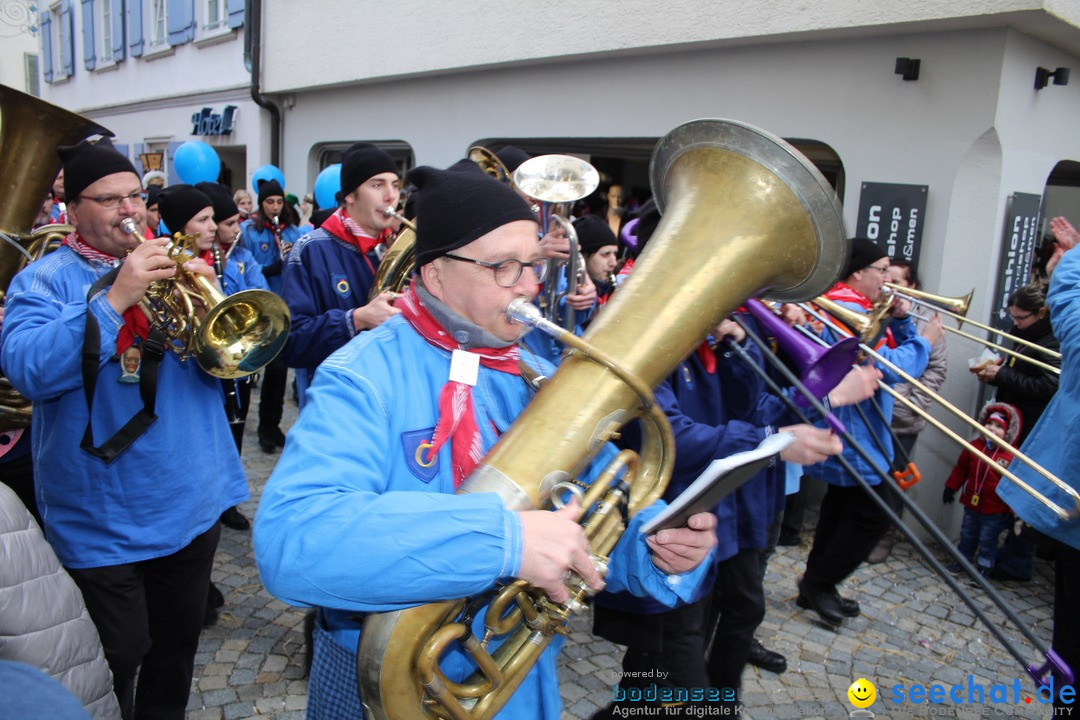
744, 214
31, 130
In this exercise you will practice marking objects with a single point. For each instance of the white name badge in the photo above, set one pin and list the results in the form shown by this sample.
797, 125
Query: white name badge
464, 367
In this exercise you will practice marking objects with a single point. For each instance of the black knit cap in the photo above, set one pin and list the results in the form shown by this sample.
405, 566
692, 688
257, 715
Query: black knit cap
864, 252
180, 203
593, 234
453, 208
362, 161
268, 189
85, 163
153, 193
512, 157
221, 197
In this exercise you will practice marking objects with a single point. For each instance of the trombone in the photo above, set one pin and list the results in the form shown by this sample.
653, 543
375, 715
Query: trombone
957, 308
1064, 514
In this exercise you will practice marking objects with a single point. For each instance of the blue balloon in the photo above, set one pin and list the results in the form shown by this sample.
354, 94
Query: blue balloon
327, 186
267, 172
196, 162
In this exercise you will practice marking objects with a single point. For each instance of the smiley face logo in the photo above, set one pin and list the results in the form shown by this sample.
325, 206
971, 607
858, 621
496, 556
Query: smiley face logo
862, 693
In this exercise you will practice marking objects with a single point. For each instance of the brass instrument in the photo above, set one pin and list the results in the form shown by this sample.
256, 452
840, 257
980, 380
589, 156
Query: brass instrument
957, 308
31, 131
490, 163
237, 336
396, 266
556, 182
745, 214
867, 327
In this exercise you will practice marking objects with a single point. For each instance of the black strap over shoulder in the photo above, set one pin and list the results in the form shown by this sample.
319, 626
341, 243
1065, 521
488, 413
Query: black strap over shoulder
153, 350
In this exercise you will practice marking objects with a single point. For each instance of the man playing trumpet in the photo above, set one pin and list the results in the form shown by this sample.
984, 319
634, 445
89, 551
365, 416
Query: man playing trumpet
134, 528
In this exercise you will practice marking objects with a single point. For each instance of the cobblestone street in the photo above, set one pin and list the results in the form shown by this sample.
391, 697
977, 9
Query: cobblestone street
913, 629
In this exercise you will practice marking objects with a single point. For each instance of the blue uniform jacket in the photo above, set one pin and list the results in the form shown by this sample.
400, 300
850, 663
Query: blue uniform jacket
325, 279
351, 521
1049, 443
143, 505
242, 272
260, 243
911, 355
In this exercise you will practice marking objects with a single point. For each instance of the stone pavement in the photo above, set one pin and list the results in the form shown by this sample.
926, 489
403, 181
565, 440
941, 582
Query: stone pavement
913, 630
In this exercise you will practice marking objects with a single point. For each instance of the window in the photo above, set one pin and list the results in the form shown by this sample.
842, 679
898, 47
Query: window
30, 67
159, 26
214, 15
58, 43
105, 36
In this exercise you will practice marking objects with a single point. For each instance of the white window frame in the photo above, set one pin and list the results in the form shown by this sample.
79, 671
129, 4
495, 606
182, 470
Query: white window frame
104, 10
212, 24
57, 44
157, 18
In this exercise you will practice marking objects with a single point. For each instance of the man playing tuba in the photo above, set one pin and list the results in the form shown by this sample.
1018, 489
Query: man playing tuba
135, 529
359, 515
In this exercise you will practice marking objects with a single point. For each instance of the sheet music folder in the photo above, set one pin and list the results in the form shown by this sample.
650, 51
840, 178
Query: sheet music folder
721, 478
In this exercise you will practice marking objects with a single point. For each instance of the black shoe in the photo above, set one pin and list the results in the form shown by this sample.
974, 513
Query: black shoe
766, 659
826, 603
232, 518
214, 599
848, 607
789, 539
268, 445
210, 618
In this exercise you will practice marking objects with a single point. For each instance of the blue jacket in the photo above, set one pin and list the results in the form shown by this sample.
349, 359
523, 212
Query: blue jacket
911, 355
325, 280
242, 272
379, 531
262, 246
144, 504
1052, 442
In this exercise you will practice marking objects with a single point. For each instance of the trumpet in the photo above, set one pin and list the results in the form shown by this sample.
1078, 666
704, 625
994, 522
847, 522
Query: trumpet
396, 266
238, 334
284, 247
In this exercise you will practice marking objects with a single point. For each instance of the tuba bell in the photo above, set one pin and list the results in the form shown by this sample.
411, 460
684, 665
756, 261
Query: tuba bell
31, 131
744, 214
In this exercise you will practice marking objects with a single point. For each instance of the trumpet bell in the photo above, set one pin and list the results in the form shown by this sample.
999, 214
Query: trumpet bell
956, 305
241, 334
490, 163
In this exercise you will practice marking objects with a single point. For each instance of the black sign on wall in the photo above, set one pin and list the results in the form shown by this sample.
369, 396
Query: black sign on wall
893, 215
1021, 234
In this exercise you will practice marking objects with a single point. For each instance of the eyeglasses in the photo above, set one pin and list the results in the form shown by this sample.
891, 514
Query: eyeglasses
507, 272
111, 202
882, 270
1021, 318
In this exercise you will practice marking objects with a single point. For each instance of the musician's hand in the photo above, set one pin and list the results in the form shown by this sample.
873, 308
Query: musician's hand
792, 314
376, 312
555, 245
860, 383
552, 544
679, 550
147, 263
728, 329
1066, 235
900, 307
198, 266
585, 296
812, 444
933, 330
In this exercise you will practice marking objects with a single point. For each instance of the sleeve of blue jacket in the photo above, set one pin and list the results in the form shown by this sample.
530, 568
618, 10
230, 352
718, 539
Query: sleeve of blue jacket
44, 326
316, 331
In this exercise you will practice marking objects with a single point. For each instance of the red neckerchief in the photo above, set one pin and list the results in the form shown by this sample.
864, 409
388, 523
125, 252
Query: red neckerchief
135, 323
842, 292
457, 419
344, 228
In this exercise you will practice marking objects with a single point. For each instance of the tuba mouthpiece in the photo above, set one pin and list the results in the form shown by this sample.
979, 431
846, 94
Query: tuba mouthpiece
128, 226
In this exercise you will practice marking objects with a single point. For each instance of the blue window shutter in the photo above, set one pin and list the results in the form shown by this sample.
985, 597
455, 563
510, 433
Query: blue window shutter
235, 8
135, 27
67, 38
140, 148
117, 15
122, 149
89, 56
181, 21
46, 46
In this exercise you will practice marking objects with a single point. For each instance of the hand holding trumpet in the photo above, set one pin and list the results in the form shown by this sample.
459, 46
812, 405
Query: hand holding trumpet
375, 313
147, 263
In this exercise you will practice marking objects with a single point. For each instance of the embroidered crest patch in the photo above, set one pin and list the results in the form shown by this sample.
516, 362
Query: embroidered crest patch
416, 444
341, 285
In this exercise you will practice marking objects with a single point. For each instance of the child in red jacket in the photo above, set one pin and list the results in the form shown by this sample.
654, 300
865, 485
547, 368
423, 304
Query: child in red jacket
986, 516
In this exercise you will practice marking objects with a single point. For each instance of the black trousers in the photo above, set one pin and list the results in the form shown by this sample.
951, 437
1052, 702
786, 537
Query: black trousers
736, 610
272, 396
849, 526
149, 614
240, 403
1067, 611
